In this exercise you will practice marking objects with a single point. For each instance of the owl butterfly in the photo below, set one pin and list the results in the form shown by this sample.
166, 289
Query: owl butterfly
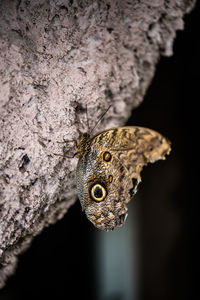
108, 171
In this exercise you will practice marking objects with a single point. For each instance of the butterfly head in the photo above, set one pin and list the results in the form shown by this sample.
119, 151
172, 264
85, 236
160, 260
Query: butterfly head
84, 144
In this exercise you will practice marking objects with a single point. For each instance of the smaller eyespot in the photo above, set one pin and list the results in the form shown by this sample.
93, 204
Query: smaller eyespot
98, 192
107, 156
110, 178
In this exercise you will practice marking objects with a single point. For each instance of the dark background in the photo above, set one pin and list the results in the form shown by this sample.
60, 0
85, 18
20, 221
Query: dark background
61, 261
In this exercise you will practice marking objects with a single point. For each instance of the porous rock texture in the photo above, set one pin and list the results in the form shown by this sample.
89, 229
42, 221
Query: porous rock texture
60, 62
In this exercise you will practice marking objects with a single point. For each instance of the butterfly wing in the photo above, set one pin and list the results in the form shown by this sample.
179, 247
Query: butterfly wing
134, 146
95, 179
109, 171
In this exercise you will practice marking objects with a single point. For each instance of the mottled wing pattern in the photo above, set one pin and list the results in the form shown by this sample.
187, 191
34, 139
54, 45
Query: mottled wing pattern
111, 212
134, 146
126, 150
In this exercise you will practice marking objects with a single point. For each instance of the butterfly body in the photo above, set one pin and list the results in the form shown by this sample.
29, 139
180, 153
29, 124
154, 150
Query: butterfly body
108, 171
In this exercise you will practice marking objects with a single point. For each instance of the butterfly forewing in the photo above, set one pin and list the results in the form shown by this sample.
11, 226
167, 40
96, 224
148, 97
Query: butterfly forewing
134, 146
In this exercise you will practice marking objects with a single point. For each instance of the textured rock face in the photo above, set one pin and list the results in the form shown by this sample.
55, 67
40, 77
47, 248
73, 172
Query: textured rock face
57, 58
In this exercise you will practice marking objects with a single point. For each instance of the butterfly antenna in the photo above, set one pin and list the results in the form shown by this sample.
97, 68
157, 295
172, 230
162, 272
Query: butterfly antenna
101, 117
88, 125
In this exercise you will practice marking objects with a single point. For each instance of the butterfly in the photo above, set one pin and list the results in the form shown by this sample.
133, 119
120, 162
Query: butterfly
108, 170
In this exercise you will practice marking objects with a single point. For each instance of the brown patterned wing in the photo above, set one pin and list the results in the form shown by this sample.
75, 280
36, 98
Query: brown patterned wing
134, 147
108, 171
103, 189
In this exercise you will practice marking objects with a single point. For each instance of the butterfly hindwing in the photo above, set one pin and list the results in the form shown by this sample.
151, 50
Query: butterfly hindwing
93, 171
